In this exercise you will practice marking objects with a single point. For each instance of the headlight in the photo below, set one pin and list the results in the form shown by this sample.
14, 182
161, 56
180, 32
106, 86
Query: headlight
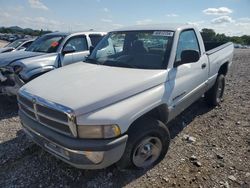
98, 131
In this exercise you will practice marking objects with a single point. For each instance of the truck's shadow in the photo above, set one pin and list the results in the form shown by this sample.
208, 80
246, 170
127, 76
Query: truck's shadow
8, 107
187, 116
87, 178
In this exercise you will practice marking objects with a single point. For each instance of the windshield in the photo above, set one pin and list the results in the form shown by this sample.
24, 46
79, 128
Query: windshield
134, 49
46, 44
15, 44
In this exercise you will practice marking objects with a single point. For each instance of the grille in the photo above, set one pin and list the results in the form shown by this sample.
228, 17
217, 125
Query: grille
26, 102
55, 124
27, 111
56, 114
47, 116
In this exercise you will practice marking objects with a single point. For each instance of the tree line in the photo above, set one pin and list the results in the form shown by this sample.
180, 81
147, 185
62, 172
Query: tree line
21, 31
211, 36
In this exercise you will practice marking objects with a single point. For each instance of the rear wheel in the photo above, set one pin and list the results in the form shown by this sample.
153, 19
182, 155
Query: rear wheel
215, 94
148, 142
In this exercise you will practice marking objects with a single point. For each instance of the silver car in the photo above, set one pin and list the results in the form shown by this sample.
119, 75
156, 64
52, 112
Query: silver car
20, 44
46, 53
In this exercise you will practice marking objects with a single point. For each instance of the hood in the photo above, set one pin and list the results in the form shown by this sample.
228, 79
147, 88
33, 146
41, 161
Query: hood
9, 57
6, 49
86, 87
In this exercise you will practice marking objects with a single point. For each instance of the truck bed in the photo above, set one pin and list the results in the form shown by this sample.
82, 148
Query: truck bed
211, 45
218, 54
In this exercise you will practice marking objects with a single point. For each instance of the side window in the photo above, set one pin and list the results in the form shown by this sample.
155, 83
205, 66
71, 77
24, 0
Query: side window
187, 41
79, 43
117, 42
154, 44
95, 39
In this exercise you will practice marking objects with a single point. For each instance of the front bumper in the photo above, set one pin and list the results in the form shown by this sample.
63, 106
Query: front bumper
75, 151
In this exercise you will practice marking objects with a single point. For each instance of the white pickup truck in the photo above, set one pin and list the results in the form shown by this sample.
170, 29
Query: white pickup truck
115, 107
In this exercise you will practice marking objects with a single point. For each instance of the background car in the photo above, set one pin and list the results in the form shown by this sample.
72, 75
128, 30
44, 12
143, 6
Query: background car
20, 44
46, 53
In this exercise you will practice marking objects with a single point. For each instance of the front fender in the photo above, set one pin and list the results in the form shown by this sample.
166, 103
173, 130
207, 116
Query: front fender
26, 75
125, 112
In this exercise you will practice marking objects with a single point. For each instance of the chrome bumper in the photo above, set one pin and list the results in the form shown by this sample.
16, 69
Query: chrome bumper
80, 153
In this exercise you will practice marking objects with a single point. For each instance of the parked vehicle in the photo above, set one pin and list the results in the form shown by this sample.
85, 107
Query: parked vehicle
47, 53
115, 107
20, 44
245, 47
12, 38
237, 46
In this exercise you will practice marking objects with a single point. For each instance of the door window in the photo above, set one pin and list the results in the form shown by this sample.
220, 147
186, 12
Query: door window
95, 39
79, 43
187, 41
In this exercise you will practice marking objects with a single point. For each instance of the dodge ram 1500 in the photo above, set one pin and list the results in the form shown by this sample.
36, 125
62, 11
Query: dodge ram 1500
115, 107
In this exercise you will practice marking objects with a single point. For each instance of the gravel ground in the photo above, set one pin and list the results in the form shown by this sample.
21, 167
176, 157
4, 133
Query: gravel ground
3, 43
210, 148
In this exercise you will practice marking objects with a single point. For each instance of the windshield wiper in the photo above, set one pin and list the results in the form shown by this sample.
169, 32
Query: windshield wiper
118, 64
92, 61
35, 51
40, 51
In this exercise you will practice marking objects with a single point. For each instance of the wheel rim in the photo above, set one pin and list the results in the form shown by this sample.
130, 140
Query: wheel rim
220, 89
147, 152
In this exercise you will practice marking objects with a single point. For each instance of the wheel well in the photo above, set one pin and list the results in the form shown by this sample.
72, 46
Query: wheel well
223, 69
160, 113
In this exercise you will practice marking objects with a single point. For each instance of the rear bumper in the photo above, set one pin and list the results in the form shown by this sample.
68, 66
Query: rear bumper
80, 153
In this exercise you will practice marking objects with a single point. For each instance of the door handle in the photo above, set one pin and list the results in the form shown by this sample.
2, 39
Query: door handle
203, 66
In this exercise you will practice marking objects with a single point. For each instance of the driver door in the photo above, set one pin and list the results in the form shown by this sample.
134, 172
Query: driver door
188, 80
79, 44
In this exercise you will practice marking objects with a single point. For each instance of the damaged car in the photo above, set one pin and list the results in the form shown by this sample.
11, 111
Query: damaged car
46, 53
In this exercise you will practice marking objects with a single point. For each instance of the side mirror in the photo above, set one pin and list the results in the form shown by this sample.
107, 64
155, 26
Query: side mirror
189, 56
91, 48
68, 49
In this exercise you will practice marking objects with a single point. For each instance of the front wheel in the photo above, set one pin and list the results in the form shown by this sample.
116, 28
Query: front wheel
215, 94
148, 142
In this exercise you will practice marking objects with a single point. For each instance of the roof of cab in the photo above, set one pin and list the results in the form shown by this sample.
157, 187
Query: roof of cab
76, 33
163, 26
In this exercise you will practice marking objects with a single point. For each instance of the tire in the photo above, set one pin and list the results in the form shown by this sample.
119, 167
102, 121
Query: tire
146, 135
214, 96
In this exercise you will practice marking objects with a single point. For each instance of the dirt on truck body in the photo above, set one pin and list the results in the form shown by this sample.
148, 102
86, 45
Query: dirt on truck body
210, 147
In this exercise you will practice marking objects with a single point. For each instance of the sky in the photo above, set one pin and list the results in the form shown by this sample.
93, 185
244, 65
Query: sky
231, 17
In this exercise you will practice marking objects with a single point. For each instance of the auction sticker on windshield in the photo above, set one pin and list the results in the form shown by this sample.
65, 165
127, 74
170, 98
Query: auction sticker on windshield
54, 44
163, 33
